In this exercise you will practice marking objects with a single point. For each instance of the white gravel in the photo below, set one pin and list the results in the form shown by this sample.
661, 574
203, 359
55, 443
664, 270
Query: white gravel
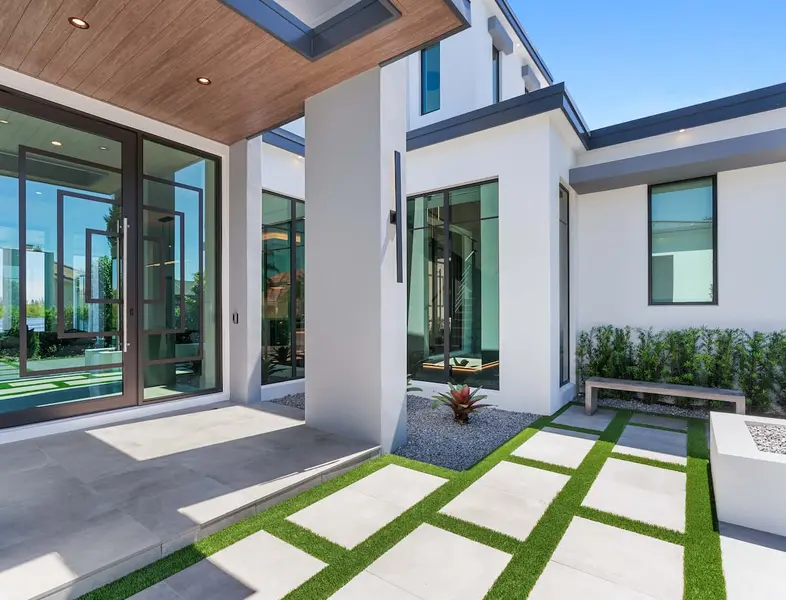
769, 437
696, 412
435, 438
294, 400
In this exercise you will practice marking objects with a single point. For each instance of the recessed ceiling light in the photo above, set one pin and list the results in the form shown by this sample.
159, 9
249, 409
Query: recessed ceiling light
103, 148
682, 131
203, 81
38, 193
56, 143
79, 23
3, 121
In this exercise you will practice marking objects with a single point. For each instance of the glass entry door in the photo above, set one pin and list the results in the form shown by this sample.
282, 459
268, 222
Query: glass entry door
67, 311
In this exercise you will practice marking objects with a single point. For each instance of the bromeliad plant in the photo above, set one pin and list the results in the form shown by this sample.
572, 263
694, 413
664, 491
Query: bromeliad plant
462, 401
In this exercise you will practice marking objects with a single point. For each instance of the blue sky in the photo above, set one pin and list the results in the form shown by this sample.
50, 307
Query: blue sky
625, 59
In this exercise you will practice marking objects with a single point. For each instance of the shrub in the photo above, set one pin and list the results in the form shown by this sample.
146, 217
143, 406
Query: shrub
462, 401
722, 358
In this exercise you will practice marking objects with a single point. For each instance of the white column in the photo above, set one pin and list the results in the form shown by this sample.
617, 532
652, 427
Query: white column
355, 310
245, 271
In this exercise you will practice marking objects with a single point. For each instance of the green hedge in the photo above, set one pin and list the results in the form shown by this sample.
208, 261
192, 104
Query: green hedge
723, 358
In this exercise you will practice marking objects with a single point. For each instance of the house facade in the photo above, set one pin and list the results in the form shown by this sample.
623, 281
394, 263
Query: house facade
229, 248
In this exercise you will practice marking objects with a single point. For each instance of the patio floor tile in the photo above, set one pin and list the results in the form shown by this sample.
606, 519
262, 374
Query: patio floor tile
754, 563
355, 513
640, 492
557, 447
509, 499
259, 566
576, 417
366, 586
660, 421
434, 564
640, 563
656, 444
559, 581
160, 591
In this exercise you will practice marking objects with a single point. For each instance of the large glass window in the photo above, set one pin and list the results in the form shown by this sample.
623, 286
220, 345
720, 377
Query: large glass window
283, 288
495, 78
564, 286
179, 272
683, 267
429, 79
453, 273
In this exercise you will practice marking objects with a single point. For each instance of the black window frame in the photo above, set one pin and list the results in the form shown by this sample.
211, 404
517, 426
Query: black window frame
714, 302
423, 88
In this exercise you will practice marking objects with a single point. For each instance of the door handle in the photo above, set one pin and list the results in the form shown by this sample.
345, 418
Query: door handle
124, 292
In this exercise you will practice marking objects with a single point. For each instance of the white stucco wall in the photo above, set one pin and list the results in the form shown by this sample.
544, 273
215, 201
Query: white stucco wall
529, 158
466, 69
283, 172
611, 257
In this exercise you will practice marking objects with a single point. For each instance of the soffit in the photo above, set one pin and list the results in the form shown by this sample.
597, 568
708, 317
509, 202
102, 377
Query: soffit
145, 56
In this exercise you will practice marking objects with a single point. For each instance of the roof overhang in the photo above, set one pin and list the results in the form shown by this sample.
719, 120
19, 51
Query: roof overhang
262, 62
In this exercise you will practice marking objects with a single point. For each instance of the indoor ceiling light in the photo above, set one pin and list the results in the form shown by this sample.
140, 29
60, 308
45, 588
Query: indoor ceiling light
682, 131
79, 23
103, 148
56, 143
3, 122
203, 81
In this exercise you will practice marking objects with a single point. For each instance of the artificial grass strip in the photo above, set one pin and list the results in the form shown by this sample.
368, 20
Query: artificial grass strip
529, 462
661, 533
476, 533
704, 578
649, 462
527, 564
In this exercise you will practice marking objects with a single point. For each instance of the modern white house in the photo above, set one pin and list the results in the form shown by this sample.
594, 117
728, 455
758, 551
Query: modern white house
270, 198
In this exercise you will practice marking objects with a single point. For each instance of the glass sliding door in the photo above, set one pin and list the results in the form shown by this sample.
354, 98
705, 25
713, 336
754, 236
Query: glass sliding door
109, 266
453, 271
66, 302
283, 288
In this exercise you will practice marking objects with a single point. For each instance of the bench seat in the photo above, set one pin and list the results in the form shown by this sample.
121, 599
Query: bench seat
593, 384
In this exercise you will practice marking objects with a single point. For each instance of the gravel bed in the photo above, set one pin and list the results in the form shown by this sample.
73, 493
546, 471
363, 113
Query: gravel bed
769, 437
293, 400
435, 438
696, 412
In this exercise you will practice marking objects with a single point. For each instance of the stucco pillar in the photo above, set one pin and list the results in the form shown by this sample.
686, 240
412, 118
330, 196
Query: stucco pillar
245, 271
355, 309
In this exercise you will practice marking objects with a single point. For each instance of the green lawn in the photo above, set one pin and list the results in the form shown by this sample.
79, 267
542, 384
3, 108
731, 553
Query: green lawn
702, 563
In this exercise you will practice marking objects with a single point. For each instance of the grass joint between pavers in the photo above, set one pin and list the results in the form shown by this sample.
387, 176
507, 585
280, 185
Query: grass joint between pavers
703, 571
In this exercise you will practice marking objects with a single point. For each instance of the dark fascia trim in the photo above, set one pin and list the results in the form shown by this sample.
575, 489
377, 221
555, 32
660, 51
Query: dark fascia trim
514, 22
723, 109
355, 22
550, 98
286, 140
680, 164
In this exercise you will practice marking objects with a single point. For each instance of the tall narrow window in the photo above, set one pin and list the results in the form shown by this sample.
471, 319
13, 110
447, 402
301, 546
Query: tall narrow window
453, 270
283, 288
564, 286
429, 79
495, 62
683, 221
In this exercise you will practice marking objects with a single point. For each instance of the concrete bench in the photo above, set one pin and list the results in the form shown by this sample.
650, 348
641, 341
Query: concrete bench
593, 384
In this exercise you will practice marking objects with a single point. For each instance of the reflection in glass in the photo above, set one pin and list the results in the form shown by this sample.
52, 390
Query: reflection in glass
180, 272
60, 310
283, 288
453, 312
564, 287
682, 267
429, 79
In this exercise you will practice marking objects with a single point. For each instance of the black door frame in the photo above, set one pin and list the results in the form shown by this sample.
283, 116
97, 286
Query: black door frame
129, 194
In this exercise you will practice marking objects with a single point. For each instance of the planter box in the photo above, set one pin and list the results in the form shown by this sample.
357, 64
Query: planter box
750, 485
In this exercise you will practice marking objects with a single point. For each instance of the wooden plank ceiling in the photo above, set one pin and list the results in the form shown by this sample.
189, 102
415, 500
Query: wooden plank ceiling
145, 56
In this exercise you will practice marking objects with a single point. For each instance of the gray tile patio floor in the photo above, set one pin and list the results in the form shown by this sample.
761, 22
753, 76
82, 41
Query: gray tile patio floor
80, 509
